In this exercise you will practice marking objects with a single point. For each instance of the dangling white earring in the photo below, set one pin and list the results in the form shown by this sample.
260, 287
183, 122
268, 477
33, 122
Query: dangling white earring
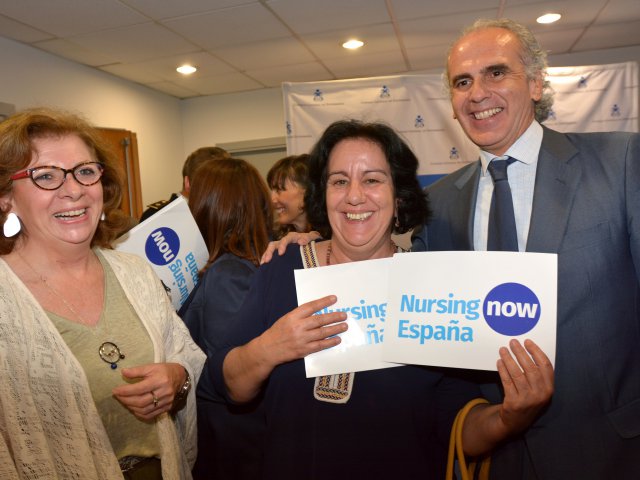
11, 225
102, 217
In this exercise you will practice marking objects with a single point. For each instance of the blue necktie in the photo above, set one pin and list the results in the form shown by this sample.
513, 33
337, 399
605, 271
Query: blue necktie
502, 234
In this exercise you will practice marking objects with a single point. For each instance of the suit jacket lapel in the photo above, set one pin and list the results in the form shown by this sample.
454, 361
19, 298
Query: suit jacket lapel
557, 179
465, 206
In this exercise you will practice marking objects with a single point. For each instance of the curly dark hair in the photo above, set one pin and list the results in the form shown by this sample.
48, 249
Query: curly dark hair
16, 150
413, 207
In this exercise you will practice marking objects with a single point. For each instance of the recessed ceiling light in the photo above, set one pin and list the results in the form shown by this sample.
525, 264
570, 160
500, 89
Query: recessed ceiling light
548, 18
352, 44
186, 69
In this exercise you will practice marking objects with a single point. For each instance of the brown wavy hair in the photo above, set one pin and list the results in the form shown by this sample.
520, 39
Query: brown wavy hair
232, 207
17, 134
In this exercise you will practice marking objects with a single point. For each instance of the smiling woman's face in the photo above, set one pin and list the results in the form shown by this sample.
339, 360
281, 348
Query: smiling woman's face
69, 214
288, 205
360, 199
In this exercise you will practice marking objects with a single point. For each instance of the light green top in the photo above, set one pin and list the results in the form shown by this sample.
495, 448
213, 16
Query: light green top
120, 325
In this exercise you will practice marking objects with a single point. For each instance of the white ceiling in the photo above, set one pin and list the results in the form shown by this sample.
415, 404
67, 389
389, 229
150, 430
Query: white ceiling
241, 45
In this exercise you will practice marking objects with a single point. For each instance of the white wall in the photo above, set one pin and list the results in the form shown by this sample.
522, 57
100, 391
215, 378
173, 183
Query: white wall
169, 129
233, 118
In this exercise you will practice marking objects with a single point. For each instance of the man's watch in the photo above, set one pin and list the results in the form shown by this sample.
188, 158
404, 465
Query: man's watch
182, 393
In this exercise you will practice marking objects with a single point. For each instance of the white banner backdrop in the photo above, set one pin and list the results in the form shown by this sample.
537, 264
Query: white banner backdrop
587, 99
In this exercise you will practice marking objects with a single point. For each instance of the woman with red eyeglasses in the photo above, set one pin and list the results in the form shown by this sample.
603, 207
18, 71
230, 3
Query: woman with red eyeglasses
95, 366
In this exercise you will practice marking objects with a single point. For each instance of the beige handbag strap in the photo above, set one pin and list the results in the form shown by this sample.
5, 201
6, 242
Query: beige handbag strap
456, 451
328, 388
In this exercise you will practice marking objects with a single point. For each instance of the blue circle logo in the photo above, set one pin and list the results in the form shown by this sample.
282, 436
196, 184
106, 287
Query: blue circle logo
162, 246
511, 309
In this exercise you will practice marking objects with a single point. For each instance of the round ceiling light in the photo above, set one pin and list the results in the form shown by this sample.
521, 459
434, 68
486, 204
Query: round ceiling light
549, 18
186, 69
352, 44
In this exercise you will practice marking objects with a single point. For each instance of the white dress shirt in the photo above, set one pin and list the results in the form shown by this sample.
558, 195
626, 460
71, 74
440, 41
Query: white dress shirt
522, 178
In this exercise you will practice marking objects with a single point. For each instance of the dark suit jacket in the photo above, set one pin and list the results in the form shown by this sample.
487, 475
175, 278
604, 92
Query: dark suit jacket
586, 208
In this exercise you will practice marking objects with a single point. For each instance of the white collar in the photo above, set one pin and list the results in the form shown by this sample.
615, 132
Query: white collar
525, 149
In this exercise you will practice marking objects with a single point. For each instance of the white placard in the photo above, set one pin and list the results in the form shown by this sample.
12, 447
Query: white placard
171, 242
456, 309
362, 290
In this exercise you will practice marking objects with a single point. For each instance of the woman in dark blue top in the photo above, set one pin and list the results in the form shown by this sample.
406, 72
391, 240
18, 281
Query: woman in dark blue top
232, 208
381, 424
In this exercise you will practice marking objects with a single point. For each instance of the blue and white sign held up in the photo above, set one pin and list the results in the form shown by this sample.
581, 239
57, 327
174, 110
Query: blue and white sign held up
171, 242
361, 288
456, 309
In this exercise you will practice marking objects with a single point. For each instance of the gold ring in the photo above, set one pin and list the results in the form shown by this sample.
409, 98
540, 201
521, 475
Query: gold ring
155, 399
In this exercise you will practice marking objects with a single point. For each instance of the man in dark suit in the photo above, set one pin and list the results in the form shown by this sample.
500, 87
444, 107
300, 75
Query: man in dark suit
193, 161
577, 195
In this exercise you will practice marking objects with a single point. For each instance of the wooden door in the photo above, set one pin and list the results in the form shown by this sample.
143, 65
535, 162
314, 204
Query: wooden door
125, 144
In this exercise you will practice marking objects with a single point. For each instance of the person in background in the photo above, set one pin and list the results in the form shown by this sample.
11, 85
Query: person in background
232, 208
288, 179
576, 195
95, 366
388, 423
193, 161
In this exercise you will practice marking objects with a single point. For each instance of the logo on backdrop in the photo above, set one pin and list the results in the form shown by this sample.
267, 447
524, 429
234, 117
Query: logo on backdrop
453, 154
511, 309
162, 246
582, 83
384, 92
615, 110
317, 95
419, 122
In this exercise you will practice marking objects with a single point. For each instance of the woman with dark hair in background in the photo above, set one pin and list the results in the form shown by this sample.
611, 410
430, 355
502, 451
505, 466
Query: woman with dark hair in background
232, 208
95, 366
287, 180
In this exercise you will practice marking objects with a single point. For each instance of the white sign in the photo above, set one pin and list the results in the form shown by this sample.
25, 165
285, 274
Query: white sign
362, 290
456, 309
171, 242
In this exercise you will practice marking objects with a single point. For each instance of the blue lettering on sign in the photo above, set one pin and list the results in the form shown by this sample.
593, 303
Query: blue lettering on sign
511, 309
162, 246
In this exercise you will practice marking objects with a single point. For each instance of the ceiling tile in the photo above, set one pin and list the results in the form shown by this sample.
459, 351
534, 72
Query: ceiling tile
206, 63
217, 84
21, 32
174, 90
575, 13
385, 63
134, 44
433, 57
268, 53
311, 16
619, 11
168, 9
376, 38
410, 9
230, 26
555, 42
76, 52
609, 36
443, 30
65, 18
306, 72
